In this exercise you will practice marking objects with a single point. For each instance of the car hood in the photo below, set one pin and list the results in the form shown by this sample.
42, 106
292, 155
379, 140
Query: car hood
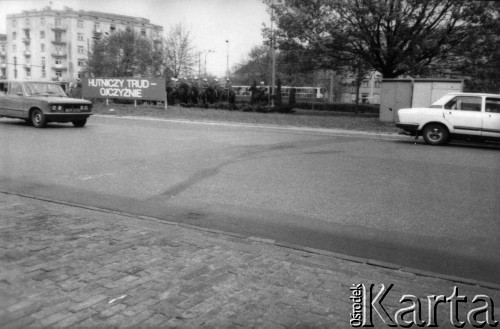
58, 100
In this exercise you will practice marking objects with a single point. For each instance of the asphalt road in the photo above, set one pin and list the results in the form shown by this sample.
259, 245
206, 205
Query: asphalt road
388, 199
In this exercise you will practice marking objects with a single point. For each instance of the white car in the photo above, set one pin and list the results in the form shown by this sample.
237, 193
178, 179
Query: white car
455, 115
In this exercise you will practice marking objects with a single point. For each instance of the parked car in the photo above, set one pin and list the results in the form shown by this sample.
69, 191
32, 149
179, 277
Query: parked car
454, 116
41, 102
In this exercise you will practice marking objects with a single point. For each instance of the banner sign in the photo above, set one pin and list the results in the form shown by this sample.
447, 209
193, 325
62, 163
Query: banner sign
124, 88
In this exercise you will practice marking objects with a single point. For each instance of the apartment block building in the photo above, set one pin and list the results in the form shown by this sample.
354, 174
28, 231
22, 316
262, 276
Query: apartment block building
3, 56
53, 45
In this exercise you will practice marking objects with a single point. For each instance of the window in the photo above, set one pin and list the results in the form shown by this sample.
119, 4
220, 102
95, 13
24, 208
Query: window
27, 22
493, 105
58, 36
42, 21
80, 37
464, 103
79, 24
97, 27
58, 22
28, 72
14, 23
15, 87
58, 61
42, 47
81, 63
43, 61
14, 35
143, 32
58, 74
44, 73
80, 50
42, 34
14, 48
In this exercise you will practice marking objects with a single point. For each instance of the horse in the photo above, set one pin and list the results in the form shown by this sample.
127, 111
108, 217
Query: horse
172, 95
184, 91
208, 95
194, 95
258, 96
228, 95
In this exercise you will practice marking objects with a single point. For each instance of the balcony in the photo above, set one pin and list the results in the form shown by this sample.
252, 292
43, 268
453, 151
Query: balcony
59, 67
26, 40
59, 27
59, 42
27, 53
58, 54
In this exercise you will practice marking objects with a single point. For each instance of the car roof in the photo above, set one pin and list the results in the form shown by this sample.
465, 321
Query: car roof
474, 94
24, 81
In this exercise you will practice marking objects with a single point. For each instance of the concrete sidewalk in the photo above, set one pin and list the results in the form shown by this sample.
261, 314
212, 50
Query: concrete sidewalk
67, 266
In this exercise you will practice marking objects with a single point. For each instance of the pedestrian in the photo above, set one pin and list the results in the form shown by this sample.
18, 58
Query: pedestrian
76, 91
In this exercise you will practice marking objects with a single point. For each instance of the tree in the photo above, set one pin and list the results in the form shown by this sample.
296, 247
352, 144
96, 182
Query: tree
256, 67
180, 55
124, 54
394, 37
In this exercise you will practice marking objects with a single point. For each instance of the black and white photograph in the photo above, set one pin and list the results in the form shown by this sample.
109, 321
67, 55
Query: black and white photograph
249, 163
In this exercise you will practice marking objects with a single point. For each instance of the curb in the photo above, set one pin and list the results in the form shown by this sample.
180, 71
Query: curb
286, 245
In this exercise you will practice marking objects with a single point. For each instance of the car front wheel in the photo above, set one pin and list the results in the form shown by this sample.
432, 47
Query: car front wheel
38, 119
435, 134
80, 123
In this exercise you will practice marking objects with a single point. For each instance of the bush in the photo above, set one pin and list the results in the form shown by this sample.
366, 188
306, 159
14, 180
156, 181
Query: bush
339, 107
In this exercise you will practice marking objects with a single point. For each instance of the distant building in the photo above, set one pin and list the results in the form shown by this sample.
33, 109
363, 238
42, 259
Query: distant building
53, 45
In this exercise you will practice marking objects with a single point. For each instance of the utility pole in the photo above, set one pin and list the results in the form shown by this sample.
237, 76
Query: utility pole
227, 59
273, 56
206, 53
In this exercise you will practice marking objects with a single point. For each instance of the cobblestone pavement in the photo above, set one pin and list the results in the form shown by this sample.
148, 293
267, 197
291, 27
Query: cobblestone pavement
67, 266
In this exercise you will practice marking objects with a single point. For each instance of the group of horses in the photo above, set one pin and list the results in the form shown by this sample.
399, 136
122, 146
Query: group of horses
186, 94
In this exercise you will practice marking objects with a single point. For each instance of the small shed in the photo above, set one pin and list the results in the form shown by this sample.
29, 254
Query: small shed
404, 93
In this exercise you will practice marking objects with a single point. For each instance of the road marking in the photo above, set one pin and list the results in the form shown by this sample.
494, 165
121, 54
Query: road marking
301, 130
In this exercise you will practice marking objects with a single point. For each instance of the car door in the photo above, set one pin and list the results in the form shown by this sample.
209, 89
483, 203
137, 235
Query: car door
464, 114
14, 100
491, 117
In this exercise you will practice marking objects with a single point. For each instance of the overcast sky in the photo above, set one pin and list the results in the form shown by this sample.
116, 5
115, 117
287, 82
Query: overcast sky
211, 22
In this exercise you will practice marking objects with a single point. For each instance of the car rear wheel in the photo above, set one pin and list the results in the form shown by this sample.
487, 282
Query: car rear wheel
435, 134
80, 123
38, 119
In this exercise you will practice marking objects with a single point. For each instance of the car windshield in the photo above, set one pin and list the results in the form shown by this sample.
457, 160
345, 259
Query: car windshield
440, 102
45, 89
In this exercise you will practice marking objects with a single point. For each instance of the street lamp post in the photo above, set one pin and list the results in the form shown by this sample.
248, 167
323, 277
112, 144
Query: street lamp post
206, 53
227, 59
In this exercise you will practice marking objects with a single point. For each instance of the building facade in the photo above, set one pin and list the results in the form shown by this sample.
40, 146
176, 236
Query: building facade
3, 56
53, 45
